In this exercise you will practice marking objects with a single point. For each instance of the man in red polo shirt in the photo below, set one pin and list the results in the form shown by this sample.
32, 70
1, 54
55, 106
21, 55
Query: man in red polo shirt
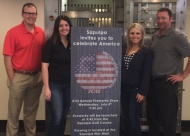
22, 59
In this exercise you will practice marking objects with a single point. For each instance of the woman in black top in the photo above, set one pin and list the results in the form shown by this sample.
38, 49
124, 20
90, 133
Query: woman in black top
56, 69
135, 80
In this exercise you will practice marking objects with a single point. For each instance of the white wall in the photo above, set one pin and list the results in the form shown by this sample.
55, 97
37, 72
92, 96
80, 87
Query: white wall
10, 15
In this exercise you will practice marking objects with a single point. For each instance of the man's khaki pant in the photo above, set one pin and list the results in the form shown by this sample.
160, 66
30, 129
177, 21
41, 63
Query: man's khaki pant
23, 90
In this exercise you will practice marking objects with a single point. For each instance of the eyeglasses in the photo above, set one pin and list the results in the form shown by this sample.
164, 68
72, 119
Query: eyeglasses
30, 14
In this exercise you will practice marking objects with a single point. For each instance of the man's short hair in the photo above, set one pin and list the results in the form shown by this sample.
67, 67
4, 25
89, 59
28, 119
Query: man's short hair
167, 10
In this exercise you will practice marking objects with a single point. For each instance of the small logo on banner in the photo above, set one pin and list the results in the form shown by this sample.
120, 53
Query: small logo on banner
96, 71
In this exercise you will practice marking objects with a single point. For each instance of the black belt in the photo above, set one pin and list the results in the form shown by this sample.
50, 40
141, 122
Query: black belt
31, 73
160, 78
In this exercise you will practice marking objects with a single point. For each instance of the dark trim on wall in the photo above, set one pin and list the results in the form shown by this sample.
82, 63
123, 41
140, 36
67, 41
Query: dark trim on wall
185, 125
41, 126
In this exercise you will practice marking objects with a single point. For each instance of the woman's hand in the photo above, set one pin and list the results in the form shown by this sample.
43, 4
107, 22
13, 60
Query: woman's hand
139, 97
47, 93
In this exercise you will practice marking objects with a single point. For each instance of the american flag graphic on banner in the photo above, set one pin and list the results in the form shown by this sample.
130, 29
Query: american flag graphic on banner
96, 71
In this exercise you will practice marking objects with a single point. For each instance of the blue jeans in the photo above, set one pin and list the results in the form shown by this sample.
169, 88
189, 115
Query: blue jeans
58, 108
131, 110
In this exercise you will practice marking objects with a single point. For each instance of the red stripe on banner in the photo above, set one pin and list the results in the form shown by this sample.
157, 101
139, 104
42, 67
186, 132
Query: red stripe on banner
105, 72
94, 78
105, 65
103, 59
98, 53
94, 84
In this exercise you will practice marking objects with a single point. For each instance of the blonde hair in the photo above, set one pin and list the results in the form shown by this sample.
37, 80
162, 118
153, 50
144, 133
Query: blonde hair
129, 43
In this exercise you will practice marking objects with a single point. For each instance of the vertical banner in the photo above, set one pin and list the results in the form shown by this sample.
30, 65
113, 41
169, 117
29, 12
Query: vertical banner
95, 81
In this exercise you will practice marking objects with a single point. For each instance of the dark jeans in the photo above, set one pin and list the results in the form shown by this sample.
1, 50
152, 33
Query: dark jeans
162, 106
58, 107
131, 110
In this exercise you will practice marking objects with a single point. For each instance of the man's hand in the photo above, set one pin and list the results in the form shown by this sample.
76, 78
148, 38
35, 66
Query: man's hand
176, 78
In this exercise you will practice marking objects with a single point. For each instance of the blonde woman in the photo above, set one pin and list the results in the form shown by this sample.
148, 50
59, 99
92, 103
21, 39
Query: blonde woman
136, 71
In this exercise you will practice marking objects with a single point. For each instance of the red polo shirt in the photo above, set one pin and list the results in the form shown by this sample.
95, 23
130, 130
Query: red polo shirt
24, 47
